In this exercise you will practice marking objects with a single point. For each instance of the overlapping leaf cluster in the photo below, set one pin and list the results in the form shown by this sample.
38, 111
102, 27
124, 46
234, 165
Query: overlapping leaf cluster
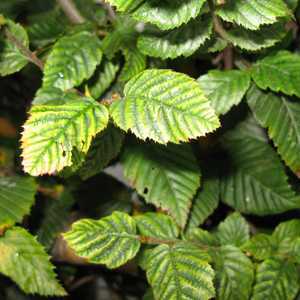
109, 92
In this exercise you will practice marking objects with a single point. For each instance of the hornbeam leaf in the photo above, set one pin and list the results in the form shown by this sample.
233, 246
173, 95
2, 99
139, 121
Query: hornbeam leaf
25, 261
285, 236
225, 88
279, 72
253, 14
234, 230
156, 225
276, 279
267, 36
148, 295
292, 4
103, 78
179, 271
135, 62
11, 59
104, 148
204, 203
164, 106
255, 180
182, 41
46, 27
288, 229
56, 217
168, 14
125, 5
73, 59
261, 246
167, 177
111, 240
16, 199
235, 274
54, 129
282, 118
203, 238
124, 34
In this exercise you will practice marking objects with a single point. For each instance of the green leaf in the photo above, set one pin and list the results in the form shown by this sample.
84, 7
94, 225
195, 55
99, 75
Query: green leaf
11, 59
276, 279
125, 5
103, 78
11, 8
16, 198
294, 251
213, 45
164, 106
255, 182
279, 72
285, 238
282, 118
224, 89
49, 95
55, 218
124, 34
180, 271
104, 148
249, 40
261, 246
292, 4
204, 203
149, 295
289, 229
72, 60
156, 225
111, 241
253, 14
174, 43
24, 260
53, 130
235, 274
135, 62
167, 177
234, 230
202, 237
169, 14
46, 27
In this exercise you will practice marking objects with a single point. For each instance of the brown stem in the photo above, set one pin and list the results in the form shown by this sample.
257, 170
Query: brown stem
25, 51
110, 12
71, 11
154, 241
219, 29
228, 57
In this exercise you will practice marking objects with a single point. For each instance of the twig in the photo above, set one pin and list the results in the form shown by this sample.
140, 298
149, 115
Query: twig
71, 11
228, 57
110, 12
219, 29
155, 241
25, 51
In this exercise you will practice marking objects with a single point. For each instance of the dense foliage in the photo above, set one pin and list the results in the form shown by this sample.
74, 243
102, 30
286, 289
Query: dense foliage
157, 138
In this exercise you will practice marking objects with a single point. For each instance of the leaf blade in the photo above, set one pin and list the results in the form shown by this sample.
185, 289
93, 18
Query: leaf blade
24, 260
167, 177
16, 198
179, 272
72, 60
111, 240
47, 146
155, 99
